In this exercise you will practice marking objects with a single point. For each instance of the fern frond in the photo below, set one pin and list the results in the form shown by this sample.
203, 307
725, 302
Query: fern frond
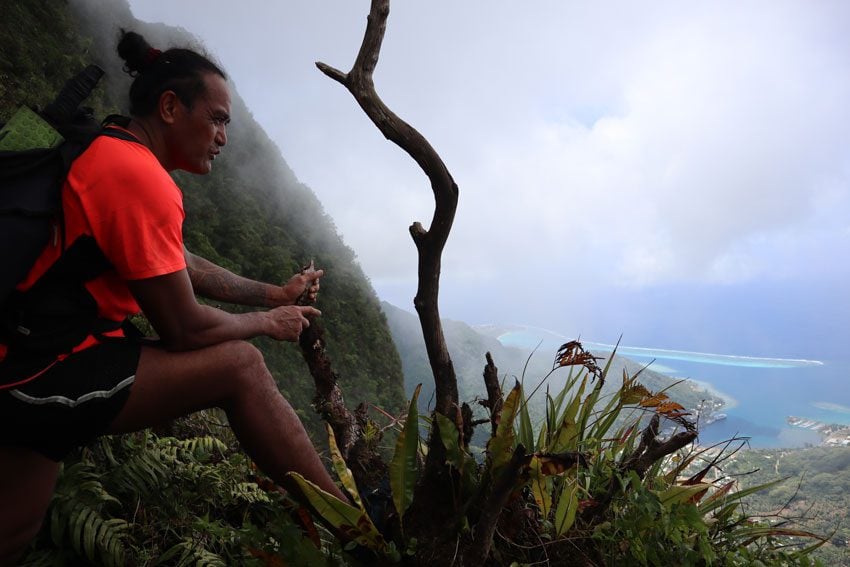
88, 532
202, 447
190, 553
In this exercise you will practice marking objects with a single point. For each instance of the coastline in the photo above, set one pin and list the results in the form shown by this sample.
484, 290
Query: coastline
728, 401
506, 337
832, 434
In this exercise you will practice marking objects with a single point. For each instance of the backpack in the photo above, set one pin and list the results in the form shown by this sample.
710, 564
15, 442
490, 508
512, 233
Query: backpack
36, 152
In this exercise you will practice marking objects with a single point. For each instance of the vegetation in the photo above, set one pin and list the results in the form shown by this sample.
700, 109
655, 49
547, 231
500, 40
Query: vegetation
583, 485
587, 494
148, 500
40, 45
812, 491
574, 490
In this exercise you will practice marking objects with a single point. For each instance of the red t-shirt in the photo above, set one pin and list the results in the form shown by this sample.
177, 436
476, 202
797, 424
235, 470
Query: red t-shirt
118, 193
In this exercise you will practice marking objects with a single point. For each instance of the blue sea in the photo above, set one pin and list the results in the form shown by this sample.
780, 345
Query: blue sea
761, 392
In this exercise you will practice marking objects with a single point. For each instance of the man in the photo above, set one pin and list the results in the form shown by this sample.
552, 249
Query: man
120, 201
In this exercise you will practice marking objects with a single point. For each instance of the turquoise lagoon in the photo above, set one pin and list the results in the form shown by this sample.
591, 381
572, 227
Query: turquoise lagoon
761, 392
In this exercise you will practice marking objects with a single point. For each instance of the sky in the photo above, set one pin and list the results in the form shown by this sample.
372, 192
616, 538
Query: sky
675, 172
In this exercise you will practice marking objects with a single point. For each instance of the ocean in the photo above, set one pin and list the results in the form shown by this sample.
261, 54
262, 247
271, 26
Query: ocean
761, 393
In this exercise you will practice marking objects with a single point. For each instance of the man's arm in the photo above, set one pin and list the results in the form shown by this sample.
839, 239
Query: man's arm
183, 324
214, 282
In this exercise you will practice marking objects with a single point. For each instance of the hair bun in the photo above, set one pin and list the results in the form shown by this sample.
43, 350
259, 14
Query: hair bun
137, 53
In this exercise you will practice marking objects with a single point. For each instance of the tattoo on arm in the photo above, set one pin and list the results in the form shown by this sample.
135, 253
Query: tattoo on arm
214, 282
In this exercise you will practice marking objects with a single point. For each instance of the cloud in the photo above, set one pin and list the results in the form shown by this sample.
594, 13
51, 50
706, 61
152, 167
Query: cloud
729, 137
619, 145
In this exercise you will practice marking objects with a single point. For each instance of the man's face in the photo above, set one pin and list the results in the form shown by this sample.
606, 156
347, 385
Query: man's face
201, 132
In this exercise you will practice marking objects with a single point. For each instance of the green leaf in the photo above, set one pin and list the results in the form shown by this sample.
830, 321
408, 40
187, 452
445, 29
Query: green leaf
500, 447
734, 497
609, 416
353, 524
108, 538
450, 437
403, 465
566, 436
541, 487
565, 513
679, 494
89, 533
78, 520
171, 552
526, 432
342, 470
587, 407
549, 424
456, 456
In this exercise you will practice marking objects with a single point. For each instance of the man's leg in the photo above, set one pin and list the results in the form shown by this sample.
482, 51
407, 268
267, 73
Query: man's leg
234, 377
27, 480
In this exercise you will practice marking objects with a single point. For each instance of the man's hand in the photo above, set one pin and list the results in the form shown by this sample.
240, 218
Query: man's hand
303, 287
287, 322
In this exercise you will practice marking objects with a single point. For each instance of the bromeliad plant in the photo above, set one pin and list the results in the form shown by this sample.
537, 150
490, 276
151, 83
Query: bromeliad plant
586, 486
352, 523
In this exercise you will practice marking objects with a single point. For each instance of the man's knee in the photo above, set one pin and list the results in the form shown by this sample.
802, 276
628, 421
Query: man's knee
248, 365
245, 357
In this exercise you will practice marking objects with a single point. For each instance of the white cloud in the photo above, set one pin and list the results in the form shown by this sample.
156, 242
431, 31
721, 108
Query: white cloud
728, 128
610, 144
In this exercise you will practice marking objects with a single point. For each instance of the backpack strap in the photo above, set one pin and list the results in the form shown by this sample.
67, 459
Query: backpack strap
107, 128
119, 134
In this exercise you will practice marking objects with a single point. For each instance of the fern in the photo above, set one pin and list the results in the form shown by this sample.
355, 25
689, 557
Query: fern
77, 516
191, 501
187, 553
144, 472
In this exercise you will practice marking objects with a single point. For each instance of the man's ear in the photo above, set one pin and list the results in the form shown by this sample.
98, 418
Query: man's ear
169, 106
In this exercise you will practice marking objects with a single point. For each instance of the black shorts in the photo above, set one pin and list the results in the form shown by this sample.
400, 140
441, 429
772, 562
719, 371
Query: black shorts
71, 402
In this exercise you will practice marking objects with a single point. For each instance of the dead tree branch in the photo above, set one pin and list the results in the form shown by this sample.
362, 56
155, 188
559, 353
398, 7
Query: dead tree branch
494, 393
428, 509
329, 402
429, 243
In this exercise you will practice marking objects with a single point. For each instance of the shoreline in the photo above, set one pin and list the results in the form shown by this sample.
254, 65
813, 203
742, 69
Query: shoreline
832, 434
729, 402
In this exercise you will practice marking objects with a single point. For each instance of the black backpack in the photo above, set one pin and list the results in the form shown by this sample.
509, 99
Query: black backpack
36, 152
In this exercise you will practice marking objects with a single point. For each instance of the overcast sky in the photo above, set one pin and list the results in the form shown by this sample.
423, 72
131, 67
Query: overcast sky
677, 172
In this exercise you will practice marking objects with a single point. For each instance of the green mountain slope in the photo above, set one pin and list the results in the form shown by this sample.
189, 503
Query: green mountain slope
251, 214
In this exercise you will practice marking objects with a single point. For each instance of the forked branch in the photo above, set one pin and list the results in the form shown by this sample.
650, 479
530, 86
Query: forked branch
430, 242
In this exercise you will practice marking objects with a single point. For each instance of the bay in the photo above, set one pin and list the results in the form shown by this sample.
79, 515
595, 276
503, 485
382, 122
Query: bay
761, 393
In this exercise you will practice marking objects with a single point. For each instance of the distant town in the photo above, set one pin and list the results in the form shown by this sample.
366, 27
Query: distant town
708, 411
834, 434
